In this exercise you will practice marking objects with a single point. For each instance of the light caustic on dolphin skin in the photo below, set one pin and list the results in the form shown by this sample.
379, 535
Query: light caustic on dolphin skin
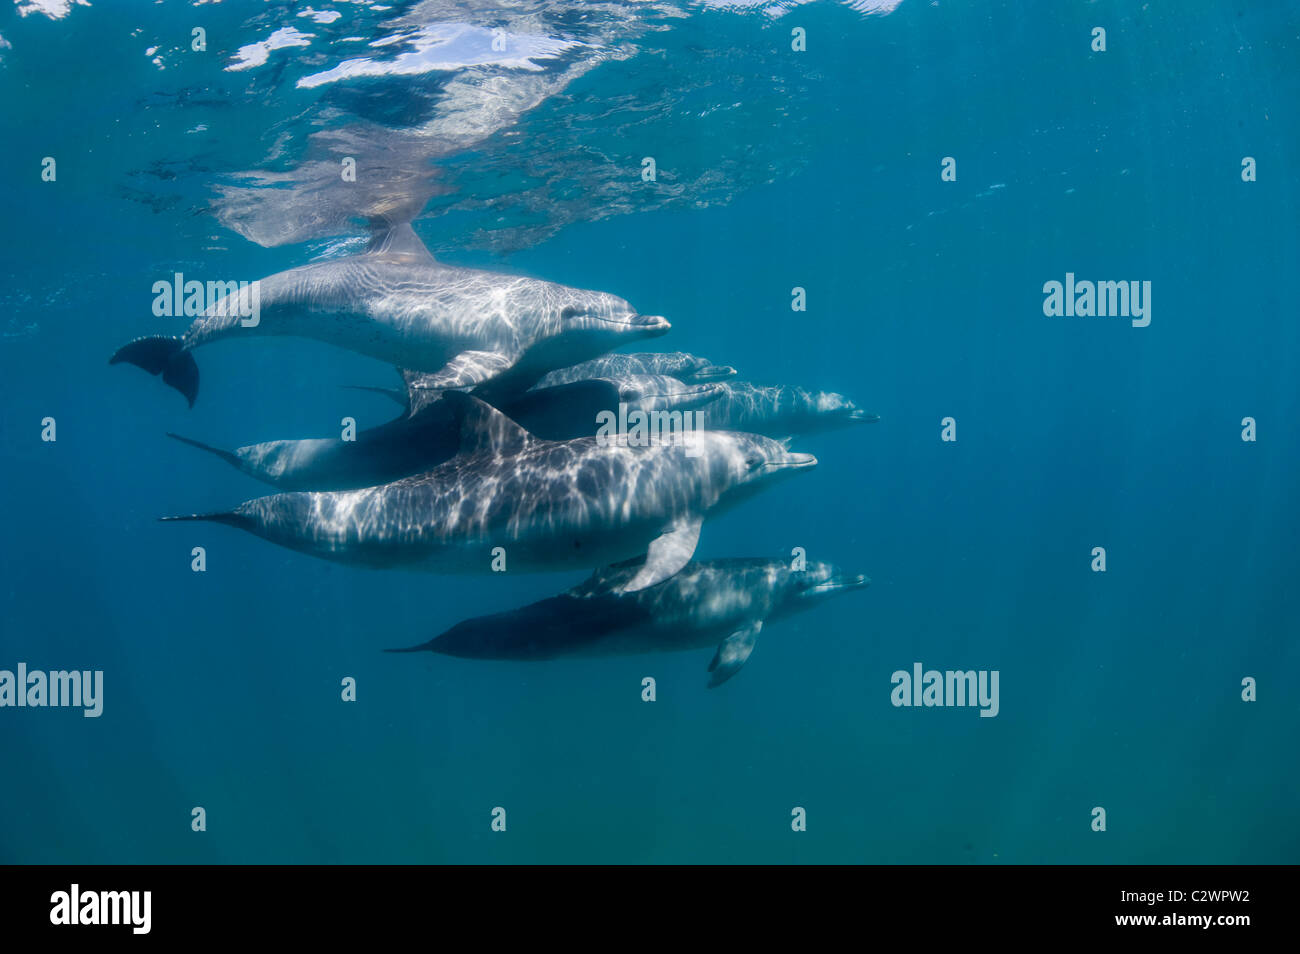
676, 364
687, 368
552, 504
781, 411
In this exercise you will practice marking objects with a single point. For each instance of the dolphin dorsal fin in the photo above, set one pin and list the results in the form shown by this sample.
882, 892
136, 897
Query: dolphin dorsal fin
484, 429
399, 240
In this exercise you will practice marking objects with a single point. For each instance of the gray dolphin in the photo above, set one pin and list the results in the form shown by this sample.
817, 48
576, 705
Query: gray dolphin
781, 411
394, 302
430, 435
552, 505
379, 455
677, 364
716, 602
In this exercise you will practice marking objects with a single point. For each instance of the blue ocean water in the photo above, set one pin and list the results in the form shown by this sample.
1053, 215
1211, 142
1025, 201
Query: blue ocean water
777, 169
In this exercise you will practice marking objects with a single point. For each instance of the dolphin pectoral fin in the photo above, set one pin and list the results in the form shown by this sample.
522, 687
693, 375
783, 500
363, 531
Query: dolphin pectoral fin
668, 553
463, 371
732, 653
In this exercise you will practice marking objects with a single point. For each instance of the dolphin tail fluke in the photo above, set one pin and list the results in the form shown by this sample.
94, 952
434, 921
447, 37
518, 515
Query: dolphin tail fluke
228, 457
165, 356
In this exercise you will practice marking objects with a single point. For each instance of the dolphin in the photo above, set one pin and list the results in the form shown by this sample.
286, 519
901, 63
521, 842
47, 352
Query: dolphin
551, 505
688, 368
394, 302
677, 364
715, 602
429, 436
781, 411
379, 455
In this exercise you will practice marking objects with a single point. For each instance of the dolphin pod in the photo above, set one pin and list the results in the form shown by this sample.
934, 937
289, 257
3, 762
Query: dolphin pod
722, 602
497, 454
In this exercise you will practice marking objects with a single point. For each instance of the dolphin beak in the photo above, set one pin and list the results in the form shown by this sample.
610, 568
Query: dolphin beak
850, 581
652, 325
857, 414
715, 372
694, 396
796, 461
706, 393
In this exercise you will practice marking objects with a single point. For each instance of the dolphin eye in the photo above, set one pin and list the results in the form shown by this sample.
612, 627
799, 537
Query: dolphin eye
570, 311
753, 462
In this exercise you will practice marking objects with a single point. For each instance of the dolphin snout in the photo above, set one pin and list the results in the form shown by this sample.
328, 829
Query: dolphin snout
715, 372
694, 396
838, 581
798, 461
653, 324
705, 393
857, 414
